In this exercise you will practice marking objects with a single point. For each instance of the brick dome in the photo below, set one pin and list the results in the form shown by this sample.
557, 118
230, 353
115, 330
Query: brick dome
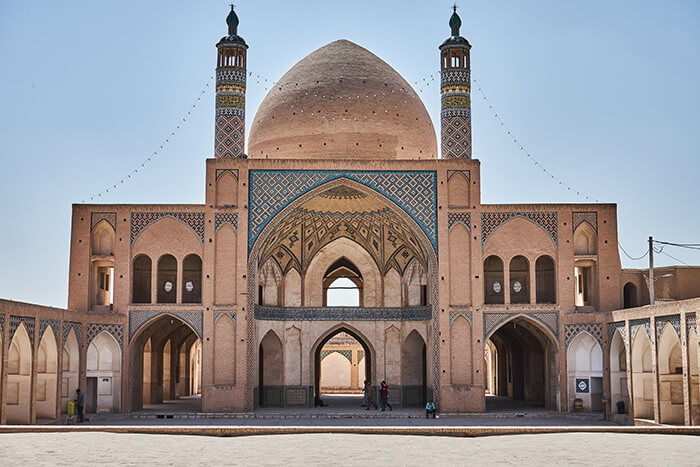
342, 102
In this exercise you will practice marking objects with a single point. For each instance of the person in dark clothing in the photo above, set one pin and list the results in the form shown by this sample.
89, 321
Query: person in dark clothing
366, 399
80, 403
384, 396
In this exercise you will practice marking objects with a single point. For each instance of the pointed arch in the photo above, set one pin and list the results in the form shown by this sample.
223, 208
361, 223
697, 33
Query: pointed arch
102, 239
225, 350
458, 189
460, 351
584, 357
226, 189
642, 377
47, 376
225, 265
670, 376
460, 258
70, 366
19, 374
271, 370
585, 240
104, 362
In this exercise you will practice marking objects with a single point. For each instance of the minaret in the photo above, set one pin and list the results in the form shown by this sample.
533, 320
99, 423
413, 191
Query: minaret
456, 105
229, 133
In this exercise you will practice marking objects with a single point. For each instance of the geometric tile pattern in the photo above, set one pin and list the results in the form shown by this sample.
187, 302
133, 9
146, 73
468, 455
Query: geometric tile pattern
455, 114
138, 318
77, 329
55, 327
141, 220
572, 330
345, 353
230, 314
97, 217
466, 174
221, 218
612, 327
661, 324
456, 313
270, 191
342, 313
635, 324
463, 218
2, 325
229, 138
490, 221
690, 322
116, 331
220, 172
550, 319
15, 321
586, 216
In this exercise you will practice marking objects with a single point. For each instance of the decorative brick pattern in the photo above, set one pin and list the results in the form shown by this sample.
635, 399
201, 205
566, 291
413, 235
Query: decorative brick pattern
141, 220
586, 216
635, 324
97, 217
345, 353
573, 330
28, 321
455, 115
229, 138
55, 327
466, 173
230, 314
270, 191
77, 329
612, 327
116, 331
221, 218
137, 319
220, 172
550, 320
490, 221
2, 325
456, 313
661, 324
342, 313
690, 323
456, 217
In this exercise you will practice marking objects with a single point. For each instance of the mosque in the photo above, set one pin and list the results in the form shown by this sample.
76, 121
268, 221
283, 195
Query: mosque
344, 192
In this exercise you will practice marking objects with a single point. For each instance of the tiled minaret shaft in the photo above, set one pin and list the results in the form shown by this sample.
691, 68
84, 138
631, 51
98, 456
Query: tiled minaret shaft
229, 133
456, 106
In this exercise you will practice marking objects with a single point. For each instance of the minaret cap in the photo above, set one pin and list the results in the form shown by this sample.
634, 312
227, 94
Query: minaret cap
455, 22
232, 21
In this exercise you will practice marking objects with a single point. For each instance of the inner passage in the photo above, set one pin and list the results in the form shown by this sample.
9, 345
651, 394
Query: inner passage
342, 366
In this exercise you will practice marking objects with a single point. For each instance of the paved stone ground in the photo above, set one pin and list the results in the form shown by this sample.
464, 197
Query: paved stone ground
348, 449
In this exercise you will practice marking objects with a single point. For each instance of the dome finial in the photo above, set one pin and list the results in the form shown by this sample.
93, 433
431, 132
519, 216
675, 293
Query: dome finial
232, 21
455, 21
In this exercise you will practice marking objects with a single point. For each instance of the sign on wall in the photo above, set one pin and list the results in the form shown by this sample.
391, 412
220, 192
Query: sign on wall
582, 385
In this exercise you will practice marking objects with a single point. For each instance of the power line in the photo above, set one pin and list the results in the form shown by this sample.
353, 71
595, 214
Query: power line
690, 246
674, 258
630, 257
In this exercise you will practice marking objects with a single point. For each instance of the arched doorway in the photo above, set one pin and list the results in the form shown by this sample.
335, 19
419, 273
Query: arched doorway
271, 371
167, 366
618, 372
46, 376
524, 367
104, 364
584, 363
19, 375
642, 376
342, 362
414, 378
670, 377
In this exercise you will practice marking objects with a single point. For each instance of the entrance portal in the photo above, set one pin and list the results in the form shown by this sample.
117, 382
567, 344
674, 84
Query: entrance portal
166, 357
521, 364
342, 364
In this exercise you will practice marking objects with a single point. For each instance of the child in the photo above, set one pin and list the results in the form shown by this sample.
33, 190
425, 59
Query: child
429, 409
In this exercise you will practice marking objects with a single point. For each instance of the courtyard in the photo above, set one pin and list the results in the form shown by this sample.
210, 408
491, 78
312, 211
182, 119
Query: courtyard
348, 449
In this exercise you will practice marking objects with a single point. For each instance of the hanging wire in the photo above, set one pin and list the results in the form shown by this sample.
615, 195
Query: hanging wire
630, 257
158, 151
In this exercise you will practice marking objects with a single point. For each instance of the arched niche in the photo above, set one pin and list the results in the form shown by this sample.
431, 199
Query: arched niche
271, 371
460, 259
167, 279
630, 295
102, 239
618, 372
226, 190
103, 391
342, 284
292, 288
192, 279
585, 240
415, 285
458, 190
585, 370
19, 375
47, 376
70, 366
460, 351
225, 350
269, 284
642, 377
225, 265
354, 253
141, 273
670, 376
519, 271
414, 375
493, 280
545, 280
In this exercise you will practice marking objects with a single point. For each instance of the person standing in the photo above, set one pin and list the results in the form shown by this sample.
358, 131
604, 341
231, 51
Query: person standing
80, 402
366, 399
384, 396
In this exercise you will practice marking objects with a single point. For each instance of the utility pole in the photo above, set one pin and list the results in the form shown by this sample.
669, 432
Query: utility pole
651, 270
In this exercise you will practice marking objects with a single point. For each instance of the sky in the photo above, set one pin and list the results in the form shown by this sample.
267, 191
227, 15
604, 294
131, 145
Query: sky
603, 94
